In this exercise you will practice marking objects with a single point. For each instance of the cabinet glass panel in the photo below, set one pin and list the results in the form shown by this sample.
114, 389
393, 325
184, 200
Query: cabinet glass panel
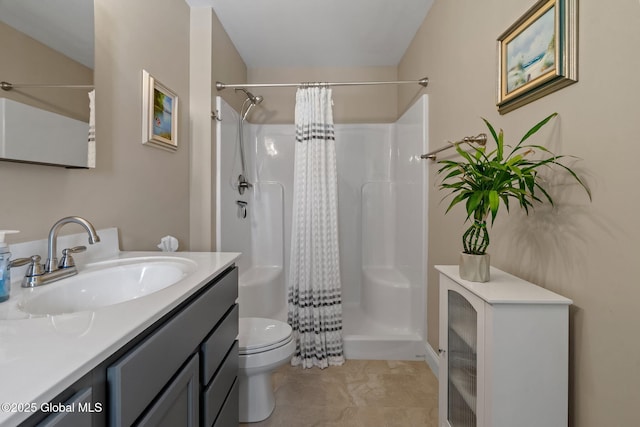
462, 361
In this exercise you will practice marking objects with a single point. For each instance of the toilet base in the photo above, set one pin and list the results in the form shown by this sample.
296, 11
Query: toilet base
257, 400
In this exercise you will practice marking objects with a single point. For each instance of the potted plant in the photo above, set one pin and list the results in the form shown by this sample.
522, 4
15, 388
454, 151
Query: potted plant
482, 180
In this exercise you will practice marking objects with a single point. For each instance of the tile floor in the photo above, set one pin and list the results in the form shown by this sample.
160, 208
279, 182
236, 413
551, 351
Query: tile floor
360, 393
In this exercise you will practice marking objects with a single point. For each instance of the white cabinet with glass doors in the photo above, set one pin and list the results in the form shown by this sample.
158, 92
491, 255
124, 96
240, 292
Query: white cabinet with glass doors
503, 353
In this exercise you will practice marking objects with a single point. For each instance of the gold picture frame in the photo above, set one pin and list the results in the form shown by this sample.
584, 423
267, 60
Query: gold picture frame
538, 54
159, 114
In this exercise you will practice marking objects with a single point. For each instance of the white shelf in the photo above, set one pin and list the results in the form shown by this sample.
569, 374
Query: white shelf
459, 328
465, 385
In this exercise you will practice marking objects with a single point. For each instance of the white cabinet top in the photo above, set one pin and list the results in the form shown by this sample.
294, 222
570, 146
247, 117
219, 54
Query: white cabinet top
504, 288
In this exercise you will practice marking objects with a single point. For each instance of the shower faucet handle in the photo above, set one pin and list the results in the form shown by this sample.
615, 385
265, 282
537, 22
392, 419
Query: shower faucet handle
243, 184
242, 208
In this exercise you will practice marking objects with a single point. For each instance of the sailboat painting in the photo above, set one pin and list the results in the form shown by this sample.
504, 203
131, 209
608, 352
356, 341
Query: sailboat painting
531, 54
537, 55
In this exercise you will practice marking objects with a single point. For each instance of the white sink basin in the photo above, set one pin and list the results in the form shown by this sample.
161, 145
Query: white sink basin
106, 283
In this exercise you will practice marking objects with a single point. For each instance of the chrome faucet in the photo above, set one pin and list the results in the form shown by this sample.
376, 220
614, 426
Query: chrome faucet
52, 260
38, 274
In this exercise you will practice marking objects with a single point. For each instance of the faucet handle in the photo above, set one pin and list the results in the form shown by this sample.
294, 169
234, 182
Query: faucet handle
74, 250
19, 262
67, 260
35, 268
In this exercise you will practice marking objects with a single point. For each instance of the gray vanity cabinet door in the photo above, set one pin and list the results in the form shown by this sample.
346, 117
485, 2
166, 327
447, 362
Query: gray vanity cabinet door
178, 404
78, 416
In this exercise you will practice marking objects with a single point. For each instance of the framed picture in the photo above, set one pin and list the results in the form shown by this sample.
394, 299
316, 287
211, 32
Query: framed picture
537, 55
159, 114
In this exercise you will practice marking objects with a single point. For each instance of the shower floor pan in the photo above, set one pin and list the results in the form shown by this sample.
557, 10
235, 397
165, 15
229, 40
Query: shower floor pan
365, 339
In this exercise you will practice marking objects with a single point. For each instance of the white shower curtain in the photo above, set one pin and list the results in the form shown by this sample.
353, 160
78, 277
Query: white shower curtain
314, 295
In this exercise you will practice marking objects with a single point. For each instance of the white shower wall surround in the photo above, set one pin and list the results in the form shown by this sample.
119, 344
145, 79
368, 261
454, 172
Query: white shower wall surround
382, 226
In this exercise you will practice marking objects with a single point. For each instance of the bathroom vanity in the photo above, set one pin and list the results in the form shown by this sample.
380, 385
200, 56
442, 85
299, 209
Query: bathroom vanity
167, 358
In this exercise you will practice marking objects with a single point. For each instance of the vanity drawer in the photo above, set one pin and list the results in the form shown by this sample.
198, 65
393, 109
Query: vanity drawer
139, 376
217, 345
229, 414
221, 387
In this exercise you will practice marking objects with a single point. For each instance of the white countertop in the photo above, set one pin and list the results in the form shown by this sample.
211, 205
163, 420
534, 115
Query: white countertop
42, 356
505, 288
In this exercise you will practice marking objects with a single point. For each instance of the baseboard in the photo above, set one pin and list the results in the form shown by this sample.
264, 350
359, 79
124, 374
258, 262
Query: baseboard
432, 359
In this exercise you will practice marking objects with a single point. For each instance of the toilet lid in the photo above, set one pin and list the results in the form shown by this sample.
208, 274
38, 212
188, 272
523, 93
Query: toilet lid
259, 334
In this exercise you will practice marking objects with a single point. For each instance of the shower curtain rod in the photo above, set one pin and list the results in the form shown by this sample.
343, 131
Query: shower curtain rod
8, 86
422, 82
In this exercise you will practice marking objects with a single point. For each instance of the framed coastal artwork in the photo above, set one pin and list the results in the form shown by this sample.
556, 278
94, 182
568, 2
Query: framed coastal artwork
537, 55
159, 114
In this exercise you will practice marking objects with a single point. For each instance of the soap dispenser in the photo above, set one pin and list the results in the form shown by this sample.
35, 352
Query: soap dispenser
5, 275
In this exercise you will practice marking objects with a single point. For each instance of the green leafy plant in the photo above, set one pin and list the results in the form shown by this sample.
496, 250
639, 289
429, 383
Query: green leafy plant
483, 179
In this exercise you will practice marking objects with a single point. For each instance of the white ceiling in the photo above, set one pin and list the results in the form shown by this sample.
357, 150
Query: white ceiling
267, 33
320, 33
63, 25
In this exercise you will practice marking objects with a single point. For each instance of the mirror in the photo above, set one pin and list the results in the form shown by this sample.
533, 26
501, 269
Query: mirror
46, 47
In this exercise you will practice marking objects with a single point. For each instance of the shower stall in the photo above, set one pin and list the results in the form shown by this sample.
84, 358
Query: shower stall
382, 225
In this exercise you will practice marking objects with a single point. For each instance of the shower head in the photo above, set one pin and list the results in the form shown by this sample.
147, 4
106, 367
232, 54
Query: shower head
251, 105
255, 100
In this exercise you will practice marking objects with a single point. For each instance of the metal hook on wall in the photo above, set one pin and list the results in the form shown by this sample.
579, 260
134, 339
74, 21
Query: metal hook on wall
215, 115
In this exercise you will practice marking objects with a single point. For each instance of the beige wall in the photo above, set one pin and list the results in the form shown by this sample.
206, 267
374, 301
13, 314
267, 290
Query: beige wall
228, 66
142, 190
213, 57
27, 61
356, 104
585, 251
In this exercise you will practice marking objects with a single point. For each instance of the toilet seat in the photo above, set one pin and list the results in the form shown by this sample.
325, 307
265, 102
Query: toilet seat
245, 352
257, 335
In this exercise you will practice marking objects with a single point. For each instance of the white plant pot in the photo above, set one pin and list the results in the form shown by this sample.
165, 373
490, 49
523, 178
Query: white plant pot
474, 268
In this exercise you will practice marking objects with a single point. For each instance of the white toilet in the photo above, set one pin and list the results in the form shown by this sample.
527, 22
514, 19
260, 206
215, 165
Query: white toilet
264, 345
